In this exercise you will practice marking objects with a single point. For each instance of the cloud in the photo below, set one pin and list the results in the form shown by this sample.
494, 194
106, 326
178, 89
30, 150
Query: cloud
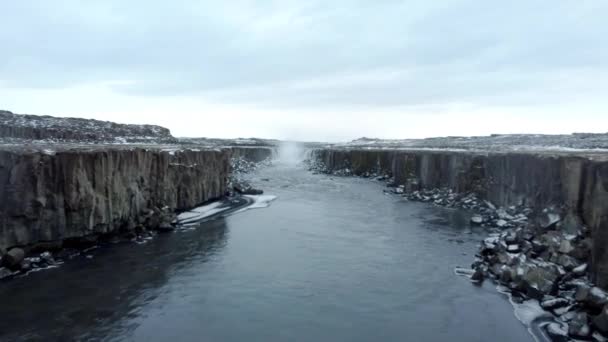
297, 56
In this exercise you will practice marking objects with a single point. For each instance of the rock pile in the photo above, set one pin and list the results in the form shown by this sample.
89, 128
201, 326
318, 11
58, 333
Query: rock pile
15, 262
242, 165
537, 255
244, 188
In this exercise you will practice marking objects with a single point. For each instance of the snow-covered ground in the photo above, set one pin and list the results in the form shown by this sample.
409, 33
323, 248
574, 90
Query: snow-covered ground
504, 142
49, 129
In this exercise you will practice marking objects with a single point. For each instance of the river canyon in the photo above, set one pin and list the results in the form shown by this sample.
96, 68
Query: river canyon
125, 233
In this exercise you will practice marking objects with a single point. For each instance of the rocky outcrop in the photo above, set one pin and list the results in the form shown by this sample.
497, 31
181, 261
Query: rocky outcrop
72, 193
574, 184
56, 129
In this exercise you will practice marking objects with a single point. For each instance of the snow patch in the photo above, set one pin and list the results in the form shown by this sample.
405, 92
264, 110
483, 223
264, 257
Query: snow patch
259, 201
202, 212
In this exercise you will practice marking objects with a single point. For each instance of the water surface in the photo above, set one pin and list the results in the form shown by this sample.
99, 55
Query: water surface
332, 259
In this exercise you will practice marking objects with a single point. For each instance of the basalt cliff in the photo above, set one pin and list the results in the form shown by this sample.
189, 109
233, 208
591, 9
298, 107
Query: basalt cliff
64, 181
569, 186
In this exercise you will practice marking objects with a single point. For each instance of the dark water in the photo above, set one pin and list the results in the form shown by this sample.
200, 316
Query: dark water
330, 260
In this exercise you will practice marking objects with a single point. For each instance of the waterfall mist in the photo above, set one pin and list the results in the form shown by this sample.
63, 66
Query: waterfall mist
291, 153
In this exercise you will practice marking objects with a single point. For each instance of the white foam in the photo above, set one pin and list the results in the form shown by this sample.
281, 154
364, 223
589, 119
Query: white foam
259, 201
202, 212
529, 311
192, 217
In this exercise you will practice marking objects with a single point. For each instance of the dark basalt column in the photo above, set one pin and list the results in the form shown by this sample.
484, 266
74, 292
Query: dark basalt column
76, 193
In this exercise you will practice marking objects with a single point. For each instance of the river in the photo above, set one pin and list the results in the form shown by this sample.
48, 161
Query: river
332, 259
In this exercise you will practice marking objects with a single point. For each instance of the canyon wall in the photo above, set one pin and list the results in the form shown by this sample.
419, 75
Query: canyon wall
254, 154
574, 183
50, 196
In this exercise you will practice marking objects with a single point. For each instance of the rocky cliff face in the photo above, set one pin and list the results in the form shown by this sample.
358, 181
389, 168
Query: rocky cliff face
49, 196
69, 178
253, 154
576, 184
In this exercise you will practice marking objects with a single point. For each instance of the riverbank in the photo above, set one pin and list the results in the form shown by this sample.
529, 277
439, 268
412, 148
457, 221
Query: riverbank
60, 199
545, 212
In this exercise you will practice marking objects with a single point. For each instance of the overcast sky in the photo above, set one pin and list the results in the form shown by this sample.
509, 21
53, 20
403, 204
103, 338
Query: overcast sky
311, 70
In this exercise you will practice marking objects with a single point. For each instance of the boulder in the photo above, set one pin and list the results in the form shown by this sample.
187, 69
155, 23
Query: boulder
549, 219
582, 249
539, 280
165, 228
478, 276
580, 270
47, 258
245, 188
601, 321
572, 224
568, 262
592, 297
598, 337
507, 274
554, 303
566, 247
513, 249
5, 273
502, 214
490, 205
557, 333
13, 258
477, 219
579, 326
26, 265
501, 223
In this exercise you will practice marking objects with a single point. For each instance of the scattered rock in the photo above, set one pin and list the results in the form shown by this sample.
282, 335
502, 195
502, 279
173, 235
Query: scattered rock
477, 219
566, 247
513, 249
501, 223
557, 332
601, 321
5, 273
244, 188
580, 270
47, 257
13, 258
549, 219
596, 336
554, 303
592, 297
540, 280
478, 276
579, 326
165, 228
568, 262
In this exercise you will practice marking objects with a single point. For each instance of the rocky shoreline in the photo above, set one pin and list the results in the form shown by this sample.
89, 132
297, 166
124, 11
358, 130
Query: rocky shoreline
21, 260
537, 254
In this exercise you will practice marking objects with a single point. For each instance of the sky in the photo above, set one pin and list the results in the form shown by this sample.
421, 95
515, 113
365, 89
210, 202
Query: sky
310, 69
